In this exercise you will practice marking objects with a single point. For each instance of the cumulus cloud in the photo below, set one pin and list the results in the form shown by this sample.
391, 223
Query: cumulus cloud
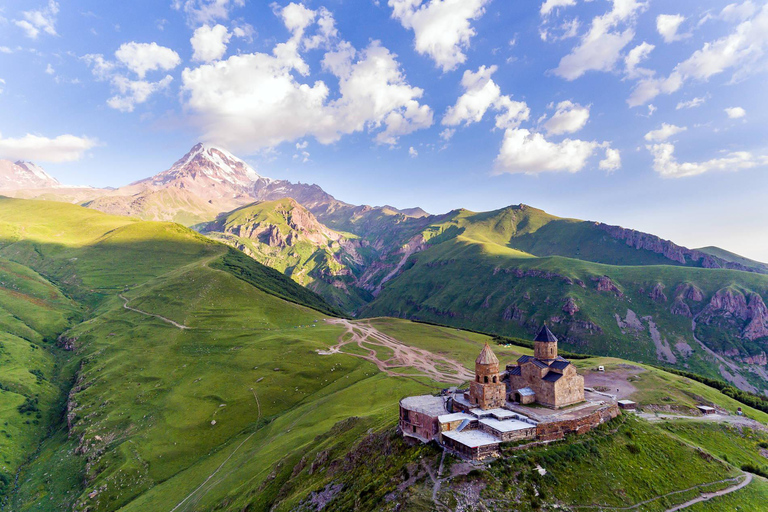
612, 160
442, 28
633, 59
49, 70
694, 103
43, 20
568, 118
665, 132
139, 58
481, 94
550, 5
210, 43
143, 57
523, 151
2, 83
600, 48
412, 152
134, 92
202, 12
668, 25
742, 50
665, 163
253, 101
64, 148
735, 112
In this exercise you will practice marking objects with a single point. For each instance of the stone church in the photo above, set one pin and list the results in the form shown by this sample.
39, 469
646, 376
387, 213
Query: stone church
545, 377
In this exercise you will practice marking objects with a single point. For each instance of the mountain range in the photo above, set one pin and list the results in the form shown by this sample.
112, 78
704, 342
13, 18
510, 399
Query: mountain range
604, 289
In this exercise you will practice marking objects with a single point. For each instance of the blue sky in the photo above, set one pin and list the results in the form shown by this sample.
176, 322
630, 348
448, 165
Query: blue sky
647, 114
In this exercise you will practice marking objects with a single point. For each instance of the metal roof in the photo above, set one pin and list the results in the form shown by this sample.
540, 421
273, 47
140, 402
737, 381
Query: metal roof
472, 438
546, 335
552, 377
425, 404
526, 392
560, 364
515, 370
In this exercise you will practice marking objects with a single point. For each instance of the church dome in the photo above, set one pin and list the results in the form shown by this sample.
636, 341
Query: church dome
487, 356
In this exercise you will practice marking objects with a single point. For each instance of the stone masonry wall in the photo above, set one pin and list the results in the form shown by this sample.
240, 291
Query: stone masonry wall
559, 429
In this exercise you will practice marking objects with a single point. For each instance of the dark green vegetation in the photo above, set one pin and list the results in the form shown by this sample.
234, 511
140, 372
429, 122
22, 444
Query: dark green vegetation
754, 401
145, 367
602, 289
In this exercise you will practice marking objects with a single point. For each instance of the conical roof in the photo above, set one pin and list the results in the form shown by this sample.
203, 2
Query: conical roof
546, 335
487, 356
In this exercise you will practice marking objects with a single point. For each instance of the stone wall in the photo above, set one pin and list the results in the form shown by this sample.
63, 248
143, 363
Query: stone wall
478, 453
418, 424
488, 396
569, 389
515, 435
554, 430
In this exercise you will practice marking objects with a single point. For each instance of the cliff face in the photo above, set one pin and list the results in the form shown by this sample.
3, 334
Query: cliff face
730, 304
670, 250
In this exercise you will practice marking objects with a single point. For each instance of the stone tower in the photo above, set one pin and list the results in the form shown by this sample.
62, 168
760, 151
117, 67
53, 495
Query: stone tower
487, 391
545, 345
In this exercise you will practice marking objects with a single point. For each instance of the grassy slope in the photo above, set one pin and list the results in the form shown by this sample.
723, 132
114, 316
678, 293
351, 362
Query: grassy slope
729, 256
319, 267
147, 393
469, 283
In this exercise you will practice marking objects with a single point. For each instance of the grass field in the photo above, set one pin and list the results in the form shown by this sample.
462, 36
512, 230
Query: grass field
206, 391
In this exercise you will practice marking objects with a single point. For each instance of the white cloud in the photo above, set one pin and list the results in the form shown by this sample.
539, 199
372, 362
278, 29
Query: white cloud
668, 24
742, 50
134, 92
442, 27
665, 132
526, 152
5, 49
568, 118
600, 48
253, 101
201, 12
447, 134
549, 5
42, 20
49, 70
694, 103
143, 57
64, 148
735, 112
482, 93
738, 12
612, 161
2, 83
210, 43
635, 56
412, 152
665, 163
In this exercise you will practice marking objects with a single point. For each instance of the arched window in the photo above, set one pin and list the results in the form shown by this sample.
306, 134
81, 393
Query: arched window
478, 378
494, 379
486, 379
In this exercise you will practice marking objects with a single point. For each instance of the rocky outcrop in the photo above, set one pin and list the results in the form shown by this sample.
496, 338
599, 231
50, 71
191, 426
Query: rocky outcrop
542, 274
670, 250
570, 306
680, 308
689, 291
732, 304
657, 293
604, 284
513, 313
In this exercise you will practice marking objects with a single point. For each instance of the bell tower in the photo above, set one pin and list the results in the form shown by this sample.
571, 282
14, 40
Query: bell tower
487, 391
545, 345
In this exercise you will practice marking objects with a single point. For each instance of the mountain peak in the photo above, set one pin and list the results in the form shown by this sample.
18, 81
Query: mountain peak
210, 164
24, 175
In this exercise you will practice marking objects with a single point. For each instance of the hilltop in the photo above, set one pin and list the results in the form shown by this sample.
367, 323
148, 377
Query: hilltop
186, 376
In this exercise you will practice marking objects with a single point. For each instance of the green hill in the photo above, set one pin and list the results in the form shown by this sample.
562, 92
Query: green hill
729, 256
167, 372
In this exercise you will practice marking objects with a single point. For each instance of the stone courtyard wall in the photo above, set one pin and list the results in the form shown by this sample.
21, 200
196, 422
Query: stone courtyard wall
554, 430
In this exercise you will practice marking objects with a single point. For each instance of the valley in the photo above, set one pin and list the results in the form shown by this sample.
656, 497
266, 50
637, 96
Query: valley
220, 368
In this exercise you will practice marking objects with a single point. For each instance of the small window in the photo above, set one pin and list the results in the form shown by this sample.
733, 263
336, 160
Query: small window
486, 379
414, 429
494, 379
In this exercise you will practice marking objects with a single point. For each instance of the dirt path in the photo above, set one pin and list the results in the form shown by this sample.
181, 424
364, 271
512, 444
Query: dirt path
709, 495
166, 320
715, 418
435, 367
212, 474
615, 383
703, 497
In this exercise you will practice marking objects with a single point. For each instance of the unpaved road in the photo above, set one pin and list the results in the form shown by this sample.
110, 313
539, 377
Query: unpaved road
709, 495
166, 320
613, 380
435, 367
714, 418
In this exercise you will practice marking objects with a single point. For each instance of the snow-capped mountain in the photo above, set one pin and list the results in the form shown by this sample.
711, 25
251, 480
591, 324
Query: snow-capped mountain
209, 166
24, 175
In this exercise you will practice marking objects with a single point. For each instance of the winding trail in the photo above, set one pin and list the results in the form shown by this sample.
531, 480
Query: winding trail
703, 497
709, 495
435, 367
166, 320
